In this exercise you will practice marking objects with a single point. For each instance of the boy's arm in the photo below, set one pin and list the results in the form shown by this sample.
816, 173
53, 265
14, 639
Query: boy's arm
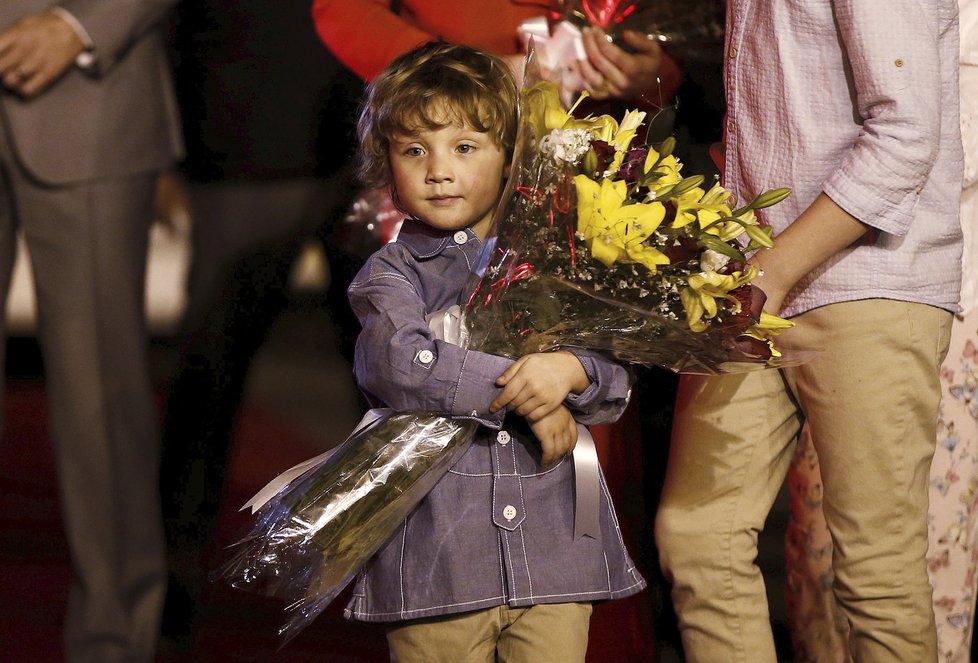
536, 384
398, 361
540, 382
557, 434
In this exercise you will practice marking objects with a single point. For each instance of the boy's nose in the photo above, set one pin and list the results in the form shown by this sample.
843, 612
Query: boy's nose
439, 171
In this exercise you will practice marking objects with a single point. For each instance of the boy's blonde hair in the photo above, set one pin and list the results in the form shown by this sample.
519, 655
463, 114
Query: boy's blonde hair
416, 91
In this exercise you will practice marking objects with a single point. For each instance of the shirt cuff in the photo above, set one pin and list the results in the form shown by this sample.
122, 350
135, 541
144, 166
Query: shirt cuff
475, 392
86, 59
609, 382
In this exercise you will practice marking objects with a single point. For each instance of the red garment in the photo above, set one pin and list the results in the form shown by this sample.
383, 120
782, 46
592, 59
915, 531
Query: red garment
365, 35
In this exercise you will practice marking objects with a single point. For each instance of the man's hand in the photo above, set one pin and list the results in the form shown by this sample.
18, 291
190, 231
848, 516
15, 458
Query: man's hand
537, 384
557, 433
610, 71
36, 51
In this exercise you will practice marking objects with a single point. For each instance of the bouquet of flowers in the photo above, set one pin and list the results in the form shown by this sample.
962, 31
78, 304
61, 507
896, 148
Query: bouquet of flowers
604, 245
598, 245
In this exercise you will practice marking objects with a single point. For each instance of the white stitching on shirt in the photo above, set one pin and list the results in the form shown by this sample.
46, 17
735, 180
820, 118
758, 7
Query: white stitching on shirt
397, 276
461, 372
407, 614
526, 560
509, 556
502, 568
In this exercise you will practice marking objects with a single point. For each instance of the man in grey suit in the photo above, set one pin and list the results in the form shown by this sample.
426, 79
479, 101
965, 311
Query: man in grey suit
87, 120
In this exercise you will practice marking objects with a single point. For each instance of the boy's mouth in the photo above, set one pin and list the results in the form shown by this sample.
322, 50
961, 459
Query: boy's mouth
443, 200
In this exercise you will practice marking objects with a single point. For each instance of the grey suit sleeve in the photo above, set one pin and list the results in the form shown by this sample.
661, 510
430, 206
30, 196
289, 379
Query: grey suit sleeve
114, 25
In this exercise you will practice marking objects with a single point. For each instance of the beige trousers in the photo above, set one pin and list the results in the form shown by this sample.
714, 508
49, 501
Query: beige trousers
547, 633
870, 396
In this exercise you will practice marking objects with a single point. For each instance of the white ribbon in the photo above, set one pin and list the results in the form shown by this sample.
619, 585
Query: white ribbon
587, 498
556, 51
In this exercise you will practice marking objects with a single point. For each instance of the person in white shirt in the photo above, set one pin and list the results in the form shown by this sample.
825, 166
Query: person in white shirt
818, 629
854, 106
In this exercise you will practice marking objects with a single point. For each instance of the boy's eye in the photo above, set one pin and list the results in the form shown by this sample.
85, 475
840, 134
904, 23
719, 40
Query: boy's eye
413, 151
465, 148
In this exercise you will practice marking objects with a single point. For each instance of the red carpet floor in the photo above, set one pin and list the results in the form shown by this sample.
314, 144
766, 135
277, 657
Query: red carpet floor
236, 626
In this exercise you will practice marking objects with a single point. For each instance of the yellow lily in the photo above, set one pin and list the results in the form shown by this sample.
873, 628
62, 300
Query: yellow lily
699, 299
620, 136
767, 328
616, 232
668, 170
546, 111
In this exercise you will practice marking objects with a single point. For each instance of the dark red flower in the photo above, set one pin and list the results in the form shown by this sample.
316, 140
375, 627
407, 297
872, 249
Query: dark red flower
631, 167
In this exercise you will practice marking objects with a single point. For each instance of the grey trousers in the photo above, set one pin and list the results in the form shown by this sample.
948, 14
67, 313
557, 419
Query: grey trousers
87, 244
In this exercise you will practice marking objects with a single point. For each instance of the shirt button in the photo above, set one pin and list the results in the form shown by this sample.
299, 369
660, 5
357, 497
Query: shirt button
733, 53
503, 437
426, 356
461, 237
731, 127
509, 512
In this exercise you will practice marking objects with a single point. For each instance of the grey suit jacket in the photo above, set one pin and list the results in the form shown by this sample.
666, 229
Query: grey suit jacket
119, 119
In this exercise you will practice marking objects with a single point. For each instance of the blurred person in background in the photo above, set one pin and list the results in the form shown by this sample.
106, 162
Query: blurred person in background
87, 121
366, 35
268, 118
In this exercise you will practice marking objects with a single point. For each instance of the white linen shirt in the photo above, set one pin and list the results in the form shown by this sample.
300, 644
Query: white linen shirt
857, 99
969, 138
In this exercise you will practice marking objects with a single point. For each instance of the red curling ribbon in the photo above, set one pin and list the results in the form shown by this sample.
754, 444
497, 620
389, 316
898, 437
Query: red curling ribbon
562, 194
533, 195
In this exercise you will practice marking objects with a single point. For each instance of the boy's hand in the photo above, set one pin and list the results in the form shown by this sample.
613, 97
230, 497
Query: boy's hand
536, 384
557, 433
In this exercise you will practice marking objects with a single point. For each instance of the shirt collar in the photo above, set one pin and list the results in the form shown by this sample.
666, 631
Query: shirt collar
423, 241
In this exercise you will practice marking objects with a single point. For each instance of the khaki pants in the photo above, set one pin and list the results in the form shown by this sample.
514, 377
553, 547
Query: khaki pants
870, 397
549, 633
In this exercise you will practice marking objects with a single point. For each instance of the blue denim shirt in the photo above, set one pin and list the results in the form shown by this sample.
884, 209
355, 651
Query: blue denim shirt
497, 529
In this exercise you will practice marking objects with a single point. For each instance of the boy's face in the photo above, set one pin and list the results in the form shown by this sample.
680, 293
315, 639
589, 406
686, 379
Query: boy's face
449, 178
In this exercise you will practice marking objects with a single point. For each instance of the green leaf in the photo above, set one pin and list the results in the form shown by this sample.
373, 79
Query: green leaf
771, 197
590, 163
666, 148
723, 219
760, 236
684, 185
649, 178
714, 243
766, 199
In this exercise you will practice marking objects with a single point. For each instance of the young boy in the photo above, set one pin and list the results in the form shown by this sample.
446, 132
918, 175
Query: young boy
487, 567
